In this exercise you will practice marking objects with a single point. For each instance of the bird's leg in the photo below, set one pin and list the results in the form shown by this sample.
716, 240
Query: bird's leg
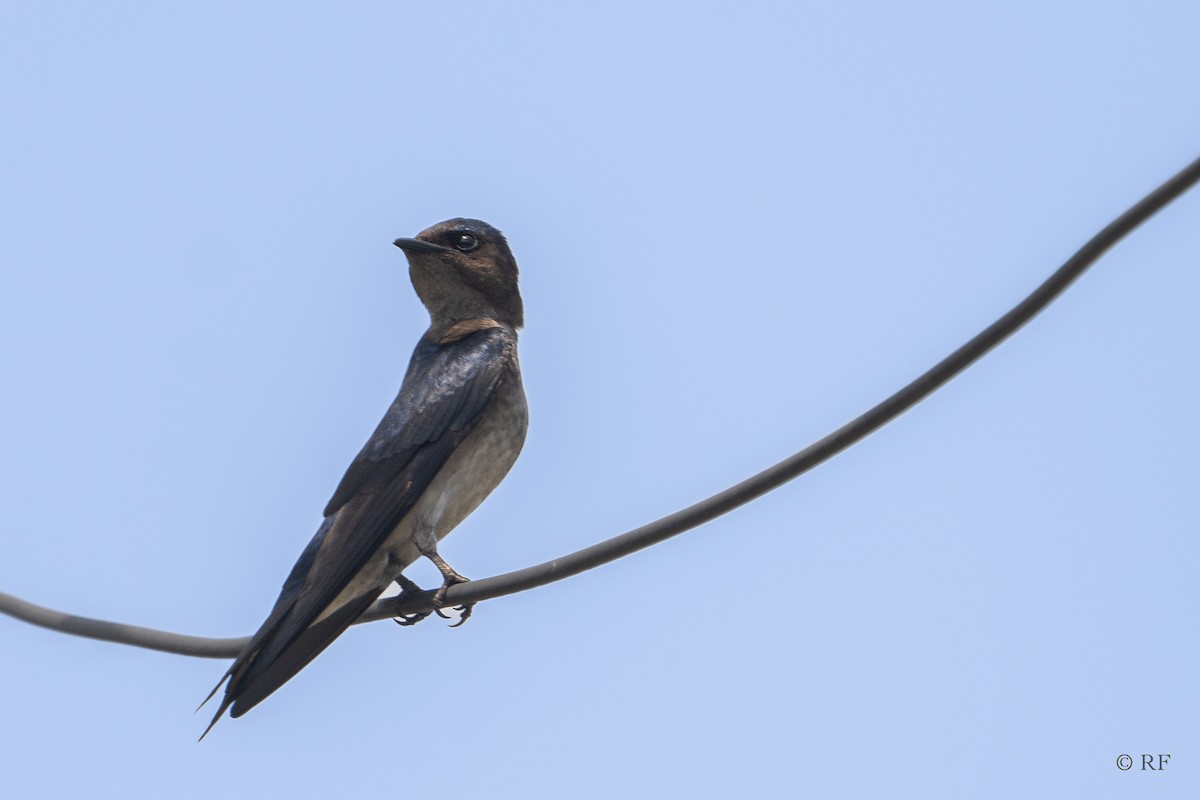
408, 586
449, 578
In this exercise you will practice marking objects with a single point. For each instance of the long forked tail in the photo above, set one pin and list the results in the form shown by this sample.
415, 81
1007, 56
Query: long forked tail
266, 664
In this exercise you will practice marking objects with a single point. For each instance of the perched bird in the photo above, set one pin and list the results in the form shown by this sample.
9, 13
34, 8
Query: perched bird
449, 438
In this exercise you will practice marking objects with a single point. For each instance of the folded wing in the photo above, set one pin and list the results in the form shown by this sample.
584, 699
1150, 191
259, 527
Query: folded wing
447, 389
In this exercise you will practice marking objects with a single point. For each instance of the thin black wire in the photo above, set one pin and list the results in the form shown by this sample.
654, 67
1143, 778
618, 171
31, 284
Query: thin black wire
692, 516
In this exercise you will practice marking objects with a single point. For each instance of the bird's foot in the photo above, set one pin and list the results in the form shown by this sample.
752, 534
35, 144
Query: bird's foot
449, 578
452, 578
409, 587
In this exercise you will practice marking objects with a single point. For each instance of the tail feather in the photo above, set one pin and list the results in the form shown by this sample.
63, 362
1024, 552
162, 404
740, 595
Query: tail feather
225, 701
267, 662
265, 676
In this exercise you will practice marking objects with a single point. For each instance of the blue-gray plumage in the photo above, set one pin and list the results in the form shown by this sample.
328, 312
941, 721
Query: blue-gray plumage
449, 438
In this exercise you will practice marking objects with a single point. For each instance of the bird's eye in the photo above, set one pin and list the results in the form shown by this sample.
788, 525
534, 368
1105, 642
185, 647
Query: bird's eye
466, 242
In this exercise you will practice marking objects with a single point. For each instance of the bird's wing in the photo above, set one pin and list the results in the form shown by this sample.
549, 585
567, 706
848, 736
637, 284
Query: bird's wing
446, 389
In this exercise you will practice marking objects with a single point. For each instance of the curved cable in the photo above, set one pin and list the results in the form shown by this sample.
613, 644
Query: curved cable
692, 516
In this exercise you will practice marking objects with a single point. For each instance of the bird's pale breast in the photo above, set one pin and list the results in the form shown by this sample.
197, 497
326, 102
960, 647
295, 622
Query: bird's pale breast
473, 470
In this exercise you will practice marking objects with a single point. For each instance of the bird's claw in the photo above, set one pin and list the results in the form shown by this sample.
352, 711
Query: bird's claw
408, 620
464, 613
408, 587
439, 600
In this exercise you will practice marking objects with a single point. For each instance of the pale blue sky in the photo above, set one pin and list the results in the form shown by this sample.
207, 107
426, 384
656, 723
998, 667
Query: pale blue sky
738, 226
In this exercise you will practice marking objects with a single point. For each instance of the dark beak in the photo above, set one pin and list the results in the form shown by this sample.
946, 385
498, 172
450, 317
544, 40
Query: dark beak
411, 246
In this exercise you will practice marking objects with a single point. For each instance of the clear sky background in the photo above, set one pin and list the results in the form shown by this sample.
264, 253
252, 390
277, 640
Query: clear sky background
739, 226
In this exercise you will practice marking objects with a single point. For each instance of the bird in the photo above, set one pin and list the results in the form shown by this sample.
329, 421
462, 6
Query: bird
451, 435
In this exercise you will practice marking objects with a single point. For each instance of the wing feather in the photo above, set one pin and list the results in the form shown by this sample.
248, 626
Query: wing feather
445, 391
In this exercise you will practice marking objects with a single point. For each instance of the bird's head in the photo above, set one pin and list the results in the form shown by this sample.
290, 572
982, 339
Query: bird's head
462, 269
